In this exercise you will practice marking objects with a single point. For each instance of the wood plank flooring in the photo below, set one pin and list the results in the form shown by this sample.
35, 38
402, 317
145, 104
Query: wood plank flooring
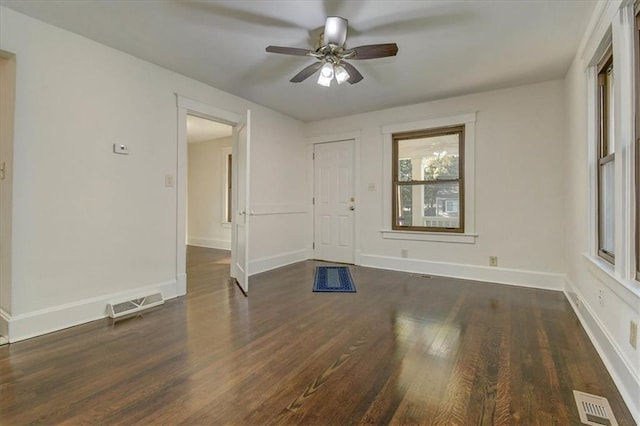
404, 349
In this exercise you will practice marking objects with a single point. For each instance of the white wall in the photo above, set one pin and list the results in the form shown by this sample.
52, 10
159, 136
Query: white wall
519, 188
90, 225
279, 215
206, 221
608, 323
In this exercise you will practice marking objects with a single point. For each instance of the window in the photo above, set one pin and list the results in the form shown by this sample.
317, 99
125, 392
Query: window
612, 142
227, 192
637, 65
606, 158
229, 180
428, 180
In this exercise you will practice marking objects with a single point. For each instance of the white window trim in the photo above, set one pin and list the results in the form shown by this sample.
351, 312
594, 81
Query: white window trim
621, 36
469, 236
225, 152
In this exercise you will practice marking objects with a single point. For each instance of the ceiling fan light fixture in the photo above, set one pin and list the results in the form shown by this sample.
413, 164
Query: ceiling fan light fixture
326, 75
341, 74
324, 81
327, 70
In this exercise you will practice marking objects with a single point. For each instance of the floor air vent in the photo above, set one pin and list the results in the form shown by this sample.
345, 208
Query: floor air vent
127, 307
594, 410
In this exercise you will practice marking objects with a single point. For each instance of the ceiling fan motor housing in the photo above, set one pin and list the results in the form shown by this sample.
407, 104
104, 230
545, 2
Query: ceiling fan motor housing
335, 31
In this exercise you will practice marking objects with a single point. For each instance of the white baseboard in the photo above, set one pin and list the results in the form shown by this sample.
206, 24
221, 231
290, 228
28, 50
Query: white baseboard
209, 243
272, 262
181, 287
37, 323
517, 277
619, 368
4, 324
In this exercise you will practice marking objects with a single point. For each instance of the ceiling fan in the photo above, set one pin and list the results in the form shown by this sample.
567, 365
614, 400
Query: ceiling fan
332, 55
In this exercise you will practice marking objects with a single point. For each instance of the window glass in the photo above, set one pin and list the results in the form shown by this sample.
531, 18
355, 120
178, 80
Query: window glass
606, 159
428, 180
607, 223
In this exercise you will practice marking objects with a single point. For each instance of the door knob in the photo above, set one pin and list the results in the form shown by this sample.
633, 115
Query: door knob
352, 208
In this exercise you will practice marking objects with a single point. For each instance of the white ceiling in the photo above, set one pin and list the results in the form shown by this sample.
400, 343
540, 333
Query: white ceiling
446, 48
202, 130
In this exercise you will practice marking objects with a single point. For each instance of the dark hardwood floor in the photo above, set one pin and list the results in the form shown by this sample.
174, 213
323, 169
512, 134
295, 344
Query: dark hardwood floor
404, 349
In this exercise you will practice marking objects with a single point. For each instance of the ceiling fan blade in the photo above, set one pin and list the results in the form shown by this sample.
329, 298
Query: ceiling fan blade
335, 30
288, 50
354, 74
373, 51
306, 73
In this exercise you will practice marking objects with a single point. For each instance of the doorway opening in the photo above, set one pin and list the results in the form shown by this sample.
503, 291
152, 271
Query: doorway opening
209, 190
239, 194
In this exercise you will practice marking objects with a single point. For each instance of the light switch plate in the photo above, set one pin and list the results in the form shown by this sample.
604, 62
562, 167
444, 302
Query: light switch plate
119, 148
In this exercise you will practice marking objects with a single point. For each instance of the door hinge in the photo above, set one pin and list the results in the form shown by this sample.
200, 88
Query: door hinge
313, 156
313, 246
2, 171
313, 200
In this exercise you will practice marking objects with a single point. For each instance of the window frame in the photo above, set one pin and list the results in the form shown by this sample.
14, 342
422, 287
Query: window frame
637, 137
457, 129
615, 26
226, 189
469, 236
604, 156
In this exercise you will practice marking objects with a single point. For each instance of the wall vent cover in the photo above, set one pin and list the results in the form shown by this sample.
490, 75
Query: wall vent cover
130, 306
594, 410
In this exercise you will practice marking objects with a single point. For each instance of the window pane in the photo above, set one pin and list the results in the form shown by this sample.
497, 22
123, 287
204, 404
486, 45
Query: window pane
404, 170
435, 205
405, 206
429, 158
607, 207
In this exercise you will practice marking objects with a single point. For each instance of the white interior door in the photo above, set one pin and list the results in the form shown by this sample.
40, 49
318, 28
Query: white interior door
7, 98
240, 195
334, 201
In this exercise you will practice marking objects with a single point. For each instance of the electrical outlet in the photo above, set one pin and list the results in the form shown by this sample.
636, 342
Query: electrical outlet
493, 260
633, 334
601, 297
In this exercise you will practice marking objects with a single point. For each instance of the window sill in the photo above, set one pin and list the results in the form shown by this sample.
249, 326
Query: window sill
429, 236
627, 290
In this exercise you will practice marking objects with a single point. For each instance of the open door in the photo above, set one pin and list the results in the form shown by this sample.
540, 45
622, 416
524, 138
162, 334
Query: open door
240, 188
7, 100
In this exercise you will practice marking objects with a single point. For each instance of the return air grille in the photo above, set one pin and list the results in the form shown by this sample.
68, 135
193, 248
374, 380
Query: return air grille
594, 410
126, 307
